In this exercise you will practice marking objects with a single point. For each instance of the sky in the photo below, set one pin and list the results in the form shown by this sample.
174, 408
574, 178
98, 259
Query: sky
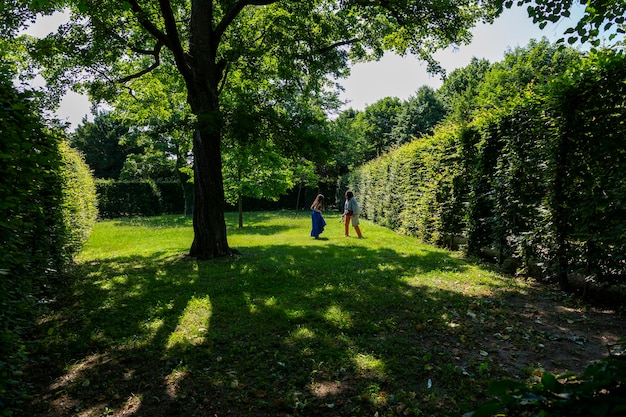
396, 76
393, 75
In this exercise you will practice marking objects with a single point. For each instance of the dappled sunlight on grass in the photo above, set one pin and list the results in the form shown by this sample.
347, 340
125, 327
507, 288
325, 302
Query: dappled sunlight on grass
193, 325
340, 319
302, 333
369, 366
343, 326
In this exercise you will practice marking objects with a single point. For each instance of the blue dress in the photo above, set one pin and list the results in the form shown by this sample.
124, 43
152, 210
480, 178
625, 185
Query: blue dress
318, 223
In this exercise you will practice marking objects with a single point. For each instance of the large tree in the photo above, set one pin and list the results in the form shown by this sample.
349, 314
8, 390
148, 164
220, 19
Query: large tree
113, 42
418, 116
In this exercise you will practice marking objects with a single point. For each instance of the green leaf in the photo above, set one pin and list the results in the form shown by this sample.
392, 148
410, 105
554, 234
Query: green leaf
489, 409
550, 382
504, 386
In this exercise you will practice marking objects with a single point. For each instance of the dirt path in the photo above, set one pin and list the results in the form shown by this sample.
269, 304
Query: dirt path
563, 334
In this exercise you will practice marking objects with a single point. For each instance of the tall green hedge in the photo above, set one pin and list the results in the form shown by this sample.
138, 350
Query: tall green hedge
29, 228
538, 185
588, 171
419, 189
46, 211
146, 198
80, 205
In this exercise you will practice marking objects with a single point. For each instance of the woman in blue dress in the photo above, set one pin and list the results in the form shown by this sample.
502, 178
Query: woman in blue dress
316, 216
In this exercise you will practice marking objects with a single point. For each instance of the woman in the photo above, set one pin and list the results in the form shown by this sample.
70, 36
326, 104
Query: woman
316, 216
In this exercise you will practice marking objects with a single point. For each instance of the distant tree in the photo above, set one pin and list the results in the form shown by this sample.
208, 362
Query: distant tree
418, 116
255, 170
346, 136
459, 92
101, 142
162, 127
377, 123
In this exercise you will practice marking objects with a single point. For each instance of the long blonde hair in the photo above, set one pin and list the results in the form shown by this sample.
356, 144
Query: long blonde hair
319, 200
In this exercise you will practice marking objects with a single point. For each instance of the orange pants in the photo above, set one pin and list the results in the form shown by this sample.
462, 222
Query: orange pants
357, 229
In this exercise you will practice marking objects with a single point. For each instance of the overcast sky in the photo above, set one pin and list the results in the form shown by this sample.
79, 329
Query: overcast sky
392, 76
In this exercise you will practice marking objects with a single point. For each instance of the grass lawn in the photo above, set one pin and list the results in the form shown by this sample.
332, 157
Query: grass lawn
293, 326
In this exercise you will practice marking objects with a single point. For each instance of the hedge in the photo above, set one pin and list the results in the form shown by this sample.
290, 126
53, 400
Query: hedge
538, 186
46, 212
138, 198
148, 198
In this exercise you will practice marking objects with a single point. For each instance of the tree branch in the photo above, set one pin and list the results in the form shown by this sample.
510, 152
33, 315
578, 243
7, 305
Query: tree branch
140, 14
156, 53
172, 34
170, 38
336, 45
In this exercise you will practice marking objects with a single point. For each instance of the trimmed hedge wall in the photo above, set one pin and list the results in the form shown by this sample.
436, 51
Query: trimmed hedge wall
47, 210
147, 198
138, 198
539, 186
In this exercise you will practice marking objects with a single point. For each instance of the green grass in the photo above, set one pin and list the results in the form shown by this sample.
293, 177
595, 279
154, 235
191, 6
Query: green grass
290, 326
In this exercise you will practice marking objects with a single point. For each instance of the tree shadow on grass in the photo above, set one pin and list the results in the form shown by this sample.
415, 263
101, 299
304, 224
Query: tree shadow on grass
173, 220
263, 230
256, 223
283, 330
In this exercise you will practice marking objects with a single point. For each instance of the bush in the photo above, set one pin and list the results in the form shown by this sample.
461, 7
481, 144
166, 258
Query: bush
600, 391
79, 209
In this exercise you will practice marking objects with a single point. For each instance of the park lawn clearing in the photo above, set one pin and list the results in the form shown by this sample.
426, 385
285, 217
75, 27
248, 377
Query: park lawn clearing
293, 326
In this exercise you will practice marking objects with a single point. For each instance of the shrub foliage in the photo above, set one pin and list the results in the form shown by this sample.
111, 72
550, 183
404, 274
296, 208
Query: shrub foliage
600, 391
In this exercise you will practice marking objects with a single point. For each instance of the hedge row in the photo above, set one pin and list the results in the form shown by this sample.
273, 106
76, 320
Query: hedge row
46, 212
540, 184
148, 198
139, 198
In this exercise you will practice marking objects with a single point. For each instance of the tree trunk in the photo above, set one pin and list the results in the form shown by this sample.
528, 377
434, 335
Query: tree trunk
185, 185
298, 198
202, 74
240, 210
209, 225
